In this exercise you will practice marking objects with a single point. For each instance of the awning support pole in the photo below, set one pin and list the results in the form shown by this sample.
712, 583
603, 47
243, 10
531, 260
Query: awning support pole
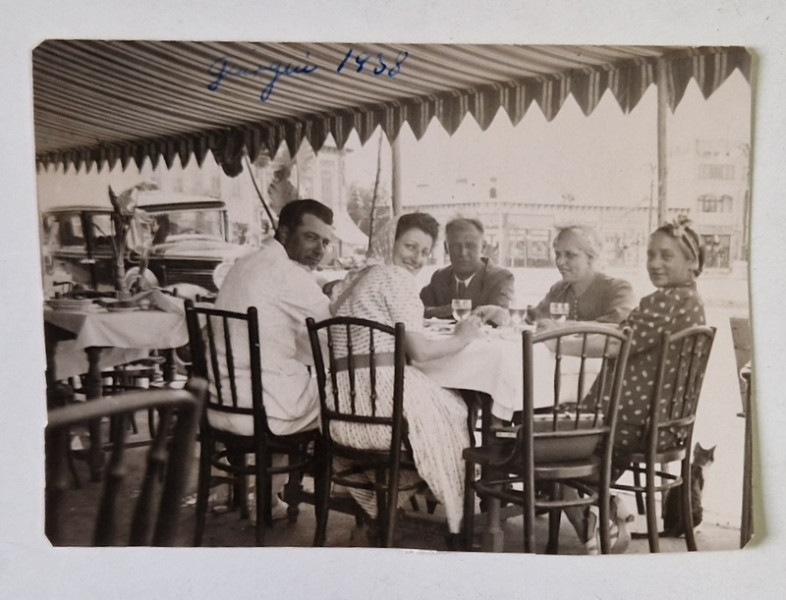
663, 104
396, 175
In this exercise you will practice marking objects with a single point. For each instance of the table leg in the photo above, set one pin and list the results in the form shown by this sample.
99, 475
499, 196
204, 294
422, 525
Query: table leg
170, 367
493, 536
93, 383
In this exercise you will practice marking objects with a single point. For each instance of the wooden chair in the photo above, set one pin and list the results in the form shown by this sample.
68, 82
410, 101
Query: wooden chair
343, 335
226, 452
682, 361
559, 444
155, 516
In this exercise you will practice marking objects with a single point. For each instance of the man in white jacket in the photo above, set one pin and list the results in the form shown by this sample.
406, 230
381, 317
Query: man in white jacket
277, 280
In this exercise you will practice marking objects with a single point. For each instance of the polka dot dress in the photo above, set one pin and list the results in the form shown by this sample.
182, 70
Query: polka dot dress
669, 309
437, 417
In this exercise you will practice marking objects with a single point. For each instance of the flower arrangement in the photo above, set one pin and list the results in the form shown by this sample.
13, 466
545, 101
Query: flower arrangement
126, 217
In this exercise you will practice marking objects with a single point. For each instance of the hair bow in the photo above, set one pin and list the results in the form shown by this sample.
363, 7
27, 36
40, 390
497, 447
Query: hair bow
680, 228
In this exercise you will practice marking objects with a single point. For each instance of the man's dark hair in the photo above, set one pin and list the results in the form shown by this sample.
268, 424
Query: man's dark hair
423, 221
291, 216
462, 223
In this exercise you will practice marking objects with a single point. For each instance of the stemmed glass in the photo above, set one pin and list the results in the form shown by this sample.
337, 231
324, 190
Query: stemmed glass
462, 308
517, 316
559, 311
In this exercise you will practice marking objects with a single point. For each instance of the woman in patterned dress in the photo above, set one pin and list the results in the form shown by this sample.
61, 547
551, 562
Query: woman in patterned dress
675, 258
385, 291
592, 295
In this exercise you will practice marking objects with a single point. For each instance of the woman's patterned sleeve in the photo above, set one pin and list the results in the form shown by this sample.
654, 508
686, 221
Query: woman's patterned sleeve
647, 321
669, 310
402, 298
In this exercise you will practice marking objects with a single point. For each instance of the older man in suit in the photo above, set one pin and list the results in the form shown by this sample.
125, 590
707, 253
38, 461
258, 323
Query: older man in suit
469, 275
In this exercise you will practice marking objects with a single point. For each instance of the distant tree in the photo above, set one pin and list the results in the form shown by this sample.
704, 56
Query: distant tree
359, 207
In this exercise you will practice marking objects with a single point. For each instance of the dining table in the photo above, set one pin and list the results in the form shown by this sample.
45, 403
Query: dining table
488, 373
106, 337
492, 365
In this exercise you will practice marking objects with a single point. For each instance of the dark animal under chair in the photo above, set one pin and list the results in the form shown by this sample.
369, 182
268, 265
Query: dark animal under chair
673, 518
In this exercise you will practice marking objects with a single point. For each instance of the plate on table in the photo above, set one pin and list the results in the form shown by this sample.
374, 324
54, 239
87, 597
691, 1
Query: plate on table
439, 326
72, 304
115, 308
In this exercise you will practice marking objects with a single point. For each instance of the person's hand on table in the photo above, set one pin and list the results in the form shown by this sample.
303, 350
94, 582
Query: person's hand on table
468, 329
544, 325
496, 315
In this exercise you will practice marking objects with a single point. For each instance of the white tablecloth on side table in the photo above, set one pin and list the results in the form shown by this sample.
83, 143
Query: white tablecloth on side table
125, 336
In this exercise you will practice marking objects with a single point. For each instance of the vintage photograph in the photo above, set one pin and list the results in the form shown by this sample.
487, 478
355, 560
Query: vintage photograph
452, 297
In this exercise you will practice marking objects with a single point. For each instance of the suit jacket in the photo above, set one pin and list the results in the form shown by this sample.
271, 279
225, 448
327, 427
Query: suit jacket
490, 285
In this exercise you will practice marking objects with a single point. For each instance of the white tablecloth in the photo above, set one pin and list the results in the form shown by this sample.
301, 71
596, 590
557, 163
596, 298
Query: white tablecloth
492, 364
125, 336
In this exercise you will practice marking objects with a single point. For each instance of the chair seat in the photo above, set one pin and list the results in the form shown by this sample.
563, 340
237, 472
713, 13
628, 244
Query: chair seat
497, 455
275, 443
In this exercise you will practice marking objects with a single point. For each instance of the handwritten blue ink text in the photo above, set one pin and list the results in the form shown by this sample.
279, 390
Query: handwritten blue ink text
222, 69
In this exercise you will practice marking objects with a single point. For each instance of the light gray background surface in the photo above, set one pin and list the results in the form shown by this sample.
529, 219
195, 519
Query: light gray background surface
29, 567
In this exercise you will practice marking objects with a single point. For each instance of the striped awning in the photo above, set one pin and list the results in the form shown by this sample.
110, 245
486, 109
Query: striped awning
99, 102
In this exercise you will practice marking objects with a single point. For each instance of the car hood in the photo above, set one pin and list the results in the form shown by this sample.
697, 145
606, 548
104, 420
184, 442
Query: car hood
200, 247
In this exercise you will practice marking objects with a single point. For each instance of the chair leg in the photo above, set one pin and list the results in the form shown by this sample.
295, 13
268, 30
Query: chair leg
382, 513
322, 472
294, 487
687, 508
652, 517
468, 525
555, 516
604, 515
240, 487
639, 495
262, 497
203, 489
392, 506
493, 535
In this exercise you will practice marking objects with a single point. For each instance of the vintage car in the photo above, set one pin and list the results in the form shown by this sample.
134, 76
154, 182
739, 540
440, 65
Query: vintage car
187, 245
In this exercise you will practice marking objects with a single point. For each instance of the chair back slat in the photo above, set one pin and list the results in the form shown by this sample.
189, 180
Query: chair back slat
115, 477
215, 378
372, 373
347, 359
681, 366
230, 359
218, 363
575, 412
154, 518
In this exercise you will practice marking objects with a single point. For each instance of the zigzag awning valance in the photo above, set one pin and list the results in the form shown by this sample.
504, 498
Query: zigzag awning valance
100, 102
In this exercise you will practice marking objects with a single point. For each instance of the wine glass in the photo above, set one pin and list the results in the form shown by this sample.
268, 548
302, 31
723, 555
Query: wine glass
462, 307
517, 316
559, 311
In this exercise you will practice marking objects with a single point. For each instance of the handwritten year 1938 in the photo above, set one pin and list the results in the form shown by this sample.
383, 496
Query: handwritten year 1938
357, 61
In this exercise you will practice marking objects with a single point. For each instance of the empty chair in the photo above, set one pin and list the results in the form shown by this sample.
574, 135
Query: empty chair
682, 361
566, 442
225, 452
155, 515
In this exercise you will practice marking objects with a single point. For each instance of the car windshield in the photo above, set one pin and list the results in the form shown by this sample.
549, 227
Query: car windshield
180, 223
